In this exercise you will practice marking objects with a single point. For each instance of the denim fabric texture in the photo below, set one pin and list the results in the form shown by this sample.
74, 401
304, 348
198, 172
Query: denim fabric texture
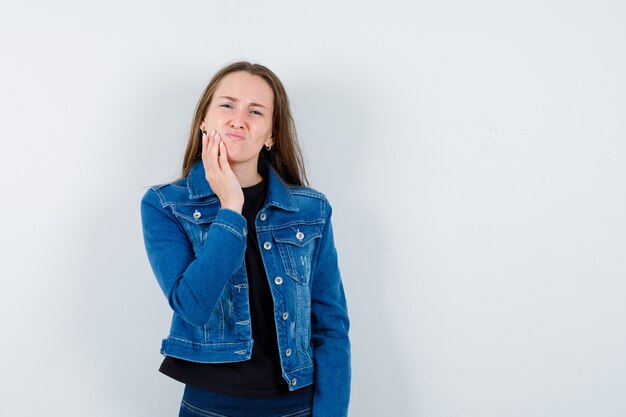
196, 251
199, 402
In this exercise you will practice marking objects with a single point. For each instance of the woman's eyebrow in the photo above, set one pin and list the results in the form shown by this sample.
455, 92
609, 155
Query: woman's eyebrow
236, 100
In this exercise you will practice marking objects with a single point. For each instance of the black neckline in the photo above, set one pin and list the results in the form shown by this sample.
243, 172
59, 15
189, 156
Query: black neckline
255, 189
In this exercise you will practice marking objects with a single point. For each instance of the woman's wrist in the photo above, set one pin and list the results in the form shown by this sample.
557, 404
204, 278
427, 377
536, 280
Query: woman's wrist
236, 207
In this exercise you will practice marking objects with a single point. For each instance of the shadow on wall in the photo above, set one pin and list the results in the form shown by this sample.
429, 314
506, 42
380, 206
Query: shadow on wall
335, 123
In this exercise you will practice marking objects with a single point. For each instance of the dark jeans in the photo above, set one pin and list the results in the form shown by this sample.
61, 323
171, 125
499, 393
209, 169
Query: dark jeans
199, 402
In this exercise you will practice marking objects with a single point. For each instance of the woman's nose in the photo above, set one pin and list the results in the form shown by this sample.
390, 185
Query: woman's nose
237, 121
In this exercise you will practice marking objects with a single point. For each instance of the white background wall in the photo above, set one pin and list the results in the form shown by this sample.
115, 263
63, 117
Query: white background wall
474, 153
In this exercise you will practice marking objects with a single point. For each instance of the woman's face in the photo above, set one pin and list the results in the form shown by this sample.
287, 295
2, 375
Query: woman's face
241, 111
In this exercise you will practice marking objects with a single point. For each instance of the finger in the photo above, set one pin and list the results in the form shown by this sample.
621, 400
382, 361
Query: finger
209, 145
224, 160
206, 143
213, 152
211, 141
206, 155
223, 157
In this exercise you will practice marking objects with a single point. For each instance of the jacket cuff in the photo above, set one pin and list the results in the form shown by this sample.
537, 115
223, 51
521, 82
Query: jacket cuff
233, 222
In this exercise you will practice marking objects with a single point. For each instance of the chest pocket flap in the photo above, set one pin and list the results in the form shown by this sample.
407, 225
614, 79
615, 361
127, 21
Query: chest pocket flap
296, 244
298, 235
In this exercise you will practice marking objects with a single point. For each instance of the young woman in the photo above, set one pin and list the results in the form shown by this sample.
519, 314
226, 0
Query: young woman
244, 253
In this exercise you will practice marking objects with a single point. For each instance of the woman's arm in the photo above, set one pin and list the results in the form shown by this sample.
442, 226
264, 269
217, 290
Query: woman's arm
192, 283
329, 330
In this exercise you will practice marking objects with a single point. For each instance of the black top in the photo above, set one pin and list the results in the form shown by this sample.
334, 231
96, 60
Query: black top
260, 376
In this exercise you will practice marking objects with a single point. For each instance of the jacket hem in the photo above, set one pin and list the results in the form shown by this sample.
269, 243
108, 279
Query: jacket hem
206, 352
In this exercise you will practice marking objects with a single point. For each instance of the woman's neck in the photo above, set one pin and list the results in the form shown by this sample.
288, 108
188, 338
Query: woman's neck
247, 175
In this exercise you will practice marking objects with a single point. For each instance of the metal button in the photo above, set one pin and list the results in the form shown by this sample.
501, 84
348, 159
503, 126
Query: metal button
299, 235
288, 352
278, 280
263, 216
245, 232
267, 246
285, 315
197, 214
294, 381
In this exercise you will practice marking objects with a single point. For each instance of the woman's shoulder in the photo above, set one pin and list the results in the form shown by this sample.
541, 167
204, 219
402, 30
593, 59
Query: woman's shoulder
168, 191
305, 192
311, 201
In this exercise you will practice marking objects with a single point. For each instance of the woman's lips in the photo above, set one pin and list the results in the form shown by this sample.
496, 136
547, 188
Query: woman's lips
234, 136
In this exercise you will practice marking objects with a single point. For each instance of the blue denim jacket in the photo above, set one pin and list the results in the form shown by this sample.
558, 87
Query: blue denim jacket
196, 251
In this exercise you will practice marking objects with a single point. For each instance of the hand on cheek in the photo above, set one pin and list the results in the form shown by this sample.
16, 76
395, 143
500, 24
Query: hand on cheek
220, 176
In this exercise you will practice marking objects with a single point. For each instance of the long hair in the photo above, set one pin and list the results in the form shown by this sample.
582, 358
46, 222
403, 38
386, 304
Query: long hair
285, 155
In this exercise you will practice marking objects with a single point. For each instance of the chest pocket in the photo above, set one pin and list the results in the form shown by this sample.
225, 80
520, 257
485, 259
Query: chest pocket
296, 244
196, 220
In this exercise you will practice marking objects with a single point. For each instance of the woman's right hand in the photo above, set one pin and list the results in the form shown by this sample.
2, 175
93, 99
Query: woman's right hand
220, 176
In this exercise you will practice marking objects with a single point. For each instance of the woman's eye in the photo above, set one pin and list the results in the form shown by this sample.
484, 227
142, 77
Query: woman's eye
226, 106
256, 112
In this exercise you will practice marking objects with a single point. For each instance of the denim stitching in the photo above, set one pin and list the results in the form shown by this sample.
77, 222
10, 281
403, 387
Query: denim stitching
303, 325
207, 334
302, 368
309, 237
295, 223
286, 250
298, 319
230, 228
293, 270
200, 344
221, 319
293, 262
302, 413
191, 219
206, 203
308, 193
157, 191
200, 411
282, 206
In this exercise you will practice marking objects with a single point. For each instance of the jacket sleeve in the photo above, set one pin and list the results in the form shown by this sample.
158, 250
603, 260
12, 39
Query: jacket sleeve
329, 330
191, 282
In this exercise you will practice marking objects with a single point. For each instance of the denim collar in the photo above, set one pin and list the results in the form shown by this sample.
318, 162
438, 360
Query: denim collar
278, 193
